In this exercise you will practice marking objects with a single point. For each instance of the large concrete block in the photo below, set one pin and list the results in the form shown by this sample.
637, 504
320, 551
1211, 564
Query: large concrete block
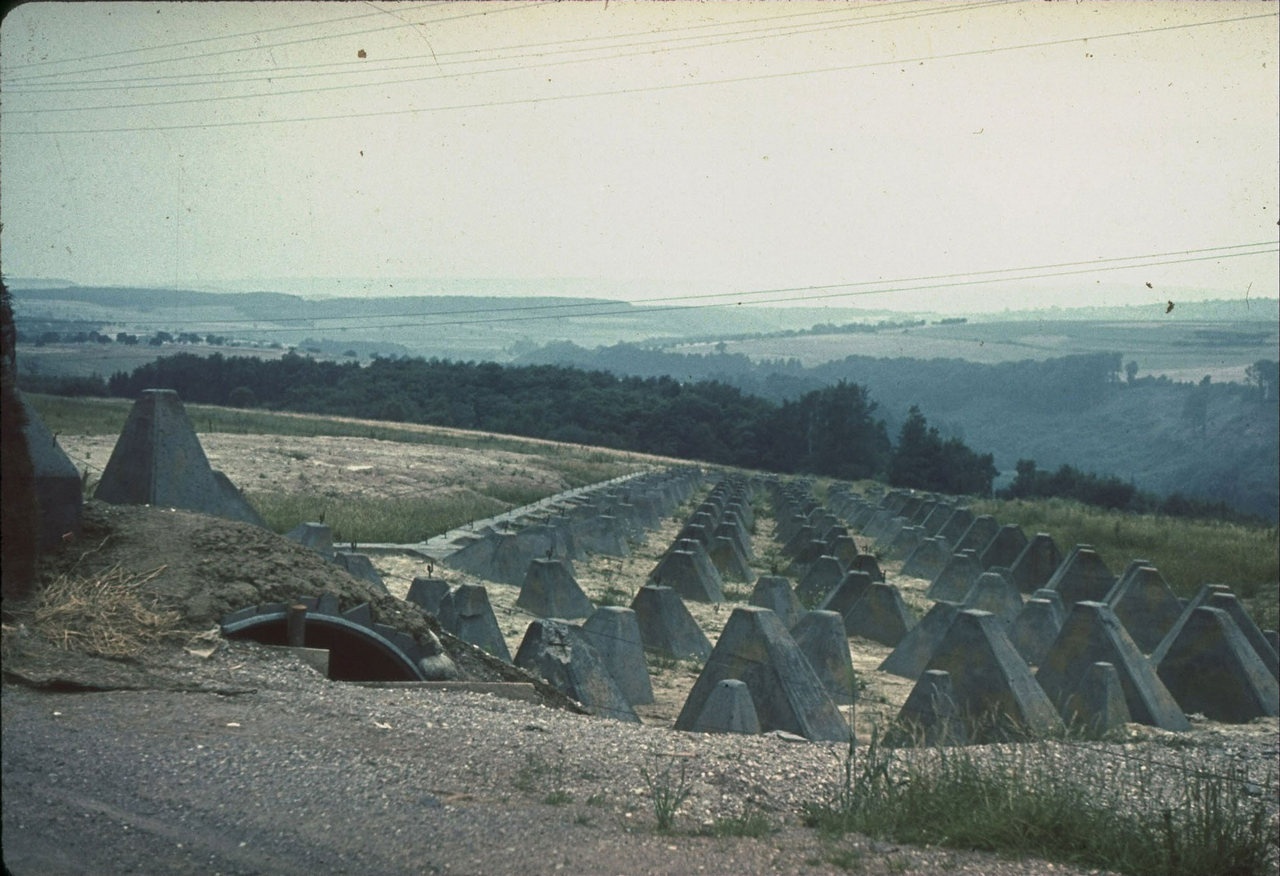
666, 627
756, 648
1145, 604
880, 615
1082, 576
615, 634
820, 636
1036, 564
1091, 634
553, 650
822, 577
774, 593
549, 590
994, 690
1211, 668
728, 709
956, 578
158, 460
912, 653
466, 612
995, 593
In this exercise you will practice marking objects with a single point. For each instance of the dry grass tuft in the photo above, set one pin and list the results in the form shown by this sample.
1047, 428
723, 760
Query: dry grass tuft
107, 615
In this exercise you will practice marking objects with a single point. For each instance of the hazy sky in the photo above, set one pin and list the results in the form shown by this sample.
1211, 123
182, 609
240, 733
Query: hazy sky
652, 149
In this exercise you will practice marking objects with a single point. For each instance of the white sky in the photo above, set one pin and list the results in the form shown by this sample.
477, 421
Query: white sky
653, 149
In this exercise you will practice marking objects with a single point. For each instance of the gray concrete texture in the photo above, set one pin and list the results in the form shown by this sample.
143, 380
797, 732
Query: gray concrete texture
158, 460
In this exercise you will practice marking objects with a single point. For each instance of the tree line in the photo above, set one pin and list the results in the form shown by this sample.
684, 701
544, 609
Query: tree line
832, 431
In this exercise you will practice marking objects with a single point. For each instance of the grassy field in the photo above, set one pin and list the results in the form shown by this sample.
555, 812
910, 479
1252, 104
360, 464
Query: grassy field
1187, 552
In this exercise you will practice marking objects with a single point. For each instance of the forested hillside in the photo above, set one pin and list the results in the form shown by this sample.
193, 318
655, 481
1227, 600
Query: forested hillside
833, 430
1213, 441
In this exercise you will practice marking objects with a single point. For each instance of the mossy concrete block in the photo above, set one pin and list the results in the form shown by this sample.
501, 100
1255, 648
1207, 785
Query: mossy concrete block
994, 690
666, 627
995, 593
466, 612
756, 648
1145, 604
928, 559
1004, 548
774, 593
1036, 564
555, 651
931, 715
728, 709
549, 590
820, 636
1098, 705
615, 634
956, 579
1083, 576
911, 655
822, 577
1210, 668
880, 615
852, 587
1035, 629
1091, 634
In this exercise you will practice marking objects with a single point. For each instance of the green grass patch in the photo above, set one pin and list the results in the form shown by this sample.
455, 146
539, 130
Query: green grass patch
1131, 815
1188, 552
401, 521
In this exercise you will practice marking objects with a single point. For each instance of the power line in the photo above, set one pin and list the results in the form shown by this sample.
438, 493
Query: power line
646, 48
193, 42
505, 7
532, 312
277, 73
762, 77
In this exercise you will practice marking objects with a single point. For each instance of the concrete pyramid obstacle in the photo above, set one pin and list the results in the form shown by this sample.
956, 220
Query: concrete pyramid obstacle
1004, 548
867, 563
158, 460
360, 567
1082, 576
928, 559
852, 587
59, 490
820, 636
913, 652
978, 535
906, 541
729, 560
1210, 668
728, 709
1200, 598
957, 525
427, 593
931, 715
1098, 705
774, 593
756, 648
995, 593
1036, 564
317, 536
843, 548
996, 696
1232, 606
555, 651
466, 612
615, 634
823, 576
1091, 634
549, 590
1035, 629
689, 571
666, 627
1145, 604
956, 578
880, 615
